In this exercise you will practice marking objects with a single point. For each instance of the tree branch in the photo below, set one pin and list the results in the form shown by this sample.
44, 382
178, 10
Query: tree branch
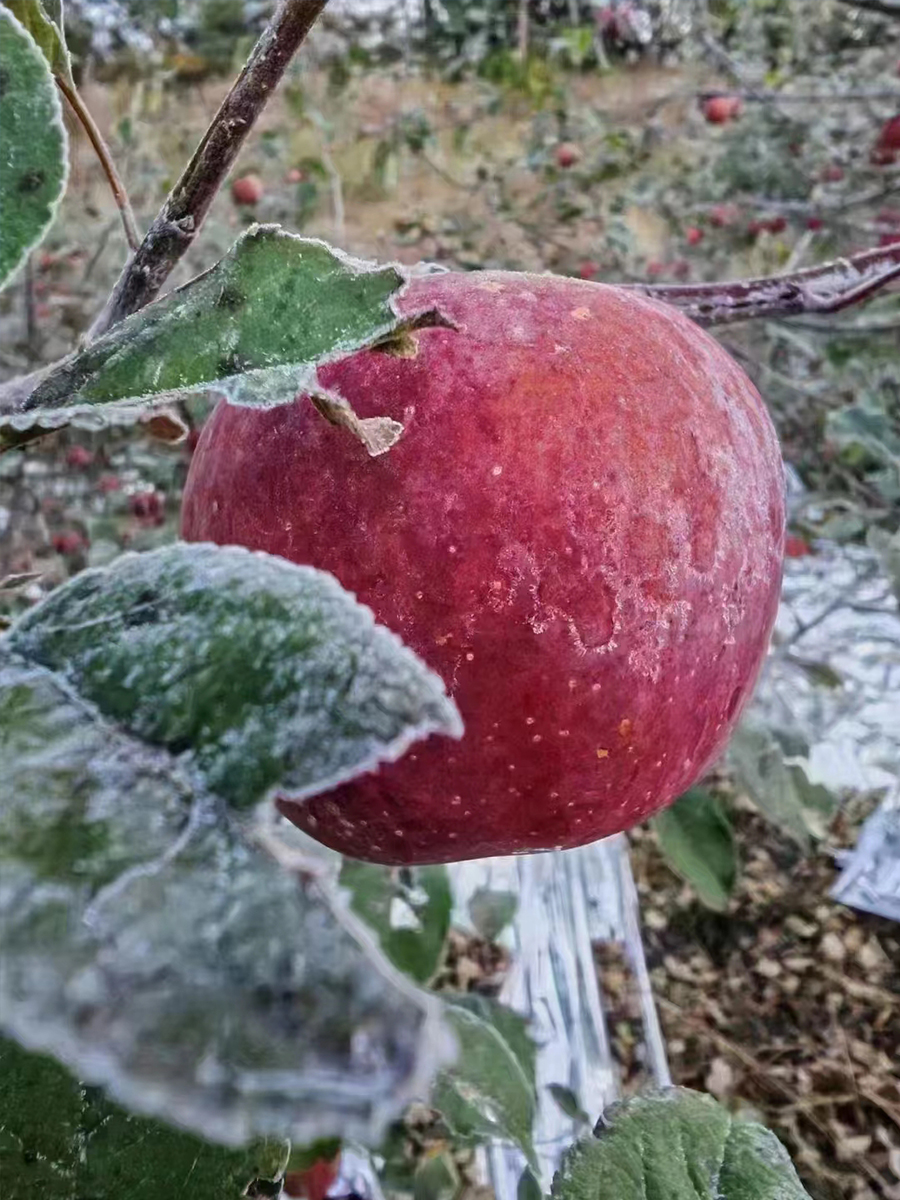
180, 218
828, 288
887, 8
102, 151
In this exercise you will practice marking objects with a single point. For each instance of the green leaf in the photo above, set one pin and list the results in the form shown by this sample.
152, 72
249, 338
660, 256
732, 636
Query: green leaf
44, 22
528, 1187
680, 1145
781, 789
256, 673
696, 839
436, 1178
34, 147
568, 1102
488, 1093
254, 327
490, 912
409, 911
59, 1139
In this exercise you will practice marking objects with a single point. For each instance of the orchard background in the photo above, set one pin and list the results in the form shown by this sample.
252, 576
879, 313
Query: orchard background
575, 138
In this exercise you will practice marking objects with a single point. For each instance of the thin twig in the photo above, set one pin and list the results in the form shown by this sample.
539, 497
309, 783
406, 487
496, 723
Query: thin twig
180, 218
885, 8
827, 288
101, 149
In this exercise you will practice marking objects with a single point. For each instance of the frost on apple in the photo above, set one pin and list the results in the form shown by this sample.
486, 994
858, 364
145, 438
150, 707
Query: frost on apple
580, 530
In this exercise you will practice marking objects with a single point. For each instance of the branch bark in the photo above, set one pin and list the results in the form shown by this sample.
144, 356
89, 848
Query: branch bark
827, 288
181, 217
887, 8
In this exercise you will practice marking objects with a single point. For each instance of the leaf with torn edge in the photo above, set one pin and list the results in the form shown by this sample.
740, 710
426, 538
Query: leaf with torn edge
148, 941
678, 1144
254, 328
34, 146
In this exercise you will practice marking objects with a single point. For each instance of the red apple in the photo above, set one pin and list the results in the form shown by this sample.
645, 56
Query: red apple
580, 530
814, 223
79, 457
723, 215
693, 235
312, 1183
589, 269
567, 155
248, 189
719, 110
796, 547
887, 148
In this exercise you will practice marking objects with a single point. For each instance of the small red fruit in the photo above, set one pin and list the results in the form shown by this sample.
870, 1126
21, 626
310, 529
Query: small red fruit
814, 223
719, 110
248, 189
148, 508
580, 529
887, 148
589, 269
109, 483
655, 268
79, 457
68, 543
723, 215
294, 175
567, 155
313, 1182
796, 547
833, 173
693, 235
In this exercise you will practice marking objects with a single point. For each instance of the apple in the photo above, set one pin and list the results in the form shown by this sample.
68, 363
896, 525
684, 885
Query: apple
580, 529
887, 148
247, 189
313, 1182
723, 215
79, 457
719, 110
693, 235
589, 269
567, 155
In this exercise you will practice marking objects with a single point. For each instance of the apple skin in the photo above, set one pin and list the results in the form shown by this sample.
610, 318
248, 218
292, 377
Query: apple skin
581, 530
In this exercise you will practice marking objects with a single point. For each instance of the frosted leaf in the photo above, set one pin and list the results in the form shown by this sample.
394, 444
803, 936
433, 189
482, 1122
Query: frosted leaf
151, 946
254, 328
678, 1144
33, 146
44, 21
257, 673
